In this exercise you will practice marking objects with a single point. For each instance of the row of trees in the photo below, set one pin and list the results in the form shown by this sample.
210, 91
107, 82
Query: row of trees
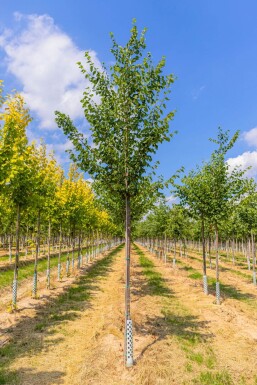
215, 202
36, 198
125, 108
176, 223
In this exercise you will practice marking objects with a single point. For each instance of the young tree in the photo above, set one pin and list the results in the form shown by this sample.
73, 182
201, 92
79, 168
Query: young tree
125, 110
17, 167
213, 191
227, 187
194, 193
47, 175
178, 226
247, 211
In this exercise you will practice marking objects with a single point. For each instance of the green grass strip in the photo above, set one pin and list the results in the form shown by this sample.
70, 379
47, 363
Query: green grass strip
25, 271
156, 283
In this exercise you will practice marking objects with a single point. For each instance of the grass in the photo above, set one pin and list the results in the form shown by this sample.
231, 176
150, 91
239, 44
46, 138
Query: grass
243, 264
188, 330
214, 378
8, 379
67, 306
195, 275
156, 283
202, 366
40, 326
25, 271
227, 290
196, 357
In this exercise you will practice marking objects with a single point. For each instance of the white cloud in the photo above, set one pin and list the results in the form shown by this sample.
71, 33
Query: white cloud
250, 137
172, 200
248, 158
43, 58
61, 146
58, 145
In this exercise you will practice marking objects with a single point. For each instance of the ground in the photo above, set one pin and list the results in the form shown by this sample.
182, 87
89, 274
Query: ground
75, 335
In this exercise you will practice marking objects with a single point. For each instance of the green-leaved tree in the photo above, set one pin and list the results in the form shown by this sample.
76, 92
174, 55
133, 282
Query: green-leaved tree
125, 109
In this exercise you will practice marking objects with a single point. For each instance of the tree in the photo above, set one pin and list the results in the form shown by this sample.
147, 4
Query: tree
178, 226
47, 176
78, 208
247, 212
194, 193
227, 188
213, 191
125, 110
17, 168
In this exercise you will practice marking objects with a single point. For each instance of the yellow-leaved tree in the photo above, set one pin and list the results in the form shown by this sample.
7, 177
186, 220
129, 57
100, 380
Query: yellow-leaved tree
16, 163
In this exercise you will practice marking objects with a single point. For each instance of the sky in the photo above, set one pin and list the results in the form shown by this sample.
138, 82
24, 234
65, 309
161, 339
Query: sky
210, 47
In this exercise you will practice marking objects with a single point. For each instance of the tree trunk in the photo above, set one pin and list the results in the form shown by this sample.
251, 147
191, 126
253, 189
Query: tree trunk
73, 248
16, 265
233, 250
210, 252
128, 322
204, 250
205, 282
79, 252
60, 253
253, 257
68, 253
217, 265
10, 248
48, 256
165, 248
34, 288
248, 252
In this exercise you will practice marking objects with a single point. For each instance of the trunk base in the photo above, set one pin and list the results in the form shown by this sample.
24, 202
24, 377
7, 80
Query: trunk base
129, 344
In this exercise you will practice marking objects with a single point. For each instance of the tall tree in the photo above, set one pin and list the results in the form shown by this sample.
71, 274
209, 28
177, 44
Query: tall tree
125, 109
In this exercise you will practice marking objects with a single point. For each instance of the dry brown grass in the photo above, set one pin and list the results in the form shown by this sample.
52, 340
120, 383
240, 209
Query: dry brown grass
180, 336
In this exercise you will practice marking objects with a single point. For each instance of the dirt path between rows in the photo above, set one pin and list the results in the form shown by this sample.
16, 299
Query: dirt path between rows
239, 293
233, 326
76, 339
26, 305
85, 345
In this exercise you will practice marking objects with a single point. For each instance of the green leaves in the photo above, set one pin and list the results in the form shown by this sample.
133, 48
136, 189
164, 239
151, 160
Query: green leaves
125, 110
31, 178
15, 153
212, 191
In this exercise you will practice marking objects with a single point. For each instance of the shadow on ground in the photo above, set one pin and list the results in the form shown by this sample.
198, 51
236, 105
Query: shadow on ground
27, 337
175, 321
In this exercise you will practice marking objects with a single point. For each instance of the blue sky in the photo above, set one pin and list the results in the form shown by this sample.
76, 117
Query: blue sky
210, 46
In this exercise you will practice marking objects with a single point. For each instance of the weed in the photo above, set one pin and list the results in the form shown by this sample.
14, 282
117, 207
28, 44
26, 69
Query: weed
196, 357
8, 378
40, 327
188, 367
210, 378
195, 275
